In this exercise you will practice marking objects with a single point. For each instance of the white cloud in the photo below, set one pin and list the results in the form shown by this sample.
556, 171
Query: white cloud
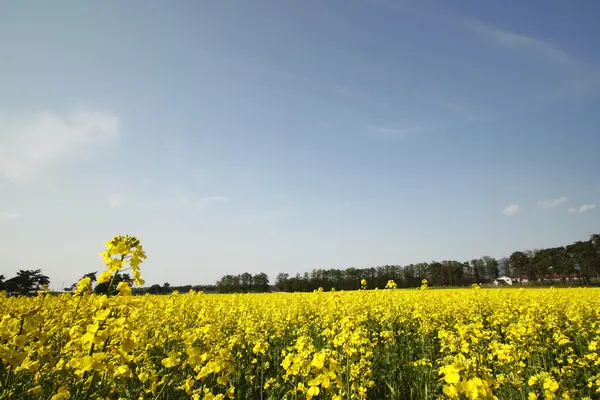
581, 209
526, 44
116, 200
8, 215
511, 210
28, 145
552, 202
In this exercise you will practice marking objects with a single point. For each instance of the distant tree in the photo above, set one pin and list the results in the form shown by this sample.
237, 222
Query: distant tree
519, 264
504, 266
478, 267
453, 272
584, 258
435, 274
155, 289
246, 282
26, 282
410, 276
260, 282
281, 282
490, 268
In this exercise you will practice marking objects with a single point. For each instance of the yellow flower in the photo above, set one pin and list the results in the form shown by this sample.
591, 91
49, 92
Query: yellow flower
532, 381
105, 277
36, 391
450, 391
124, 289
62, 394
550, 384
143, 377
312, 391
451, 374
84, 285
171, 361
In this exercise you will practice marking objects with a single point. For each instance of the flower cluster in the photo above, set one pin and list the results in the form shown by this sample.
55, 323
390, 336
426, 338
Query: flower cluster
391, 285
121, 250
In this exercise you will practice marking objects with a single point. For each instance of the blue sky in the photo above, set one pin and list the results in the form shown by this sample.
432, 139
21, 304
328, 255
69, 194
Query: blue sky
282, 136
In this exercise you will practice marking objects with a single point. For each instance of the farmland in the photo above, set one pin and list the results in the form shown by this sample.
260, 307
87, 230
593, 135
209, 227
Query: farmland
475, 343
510, 343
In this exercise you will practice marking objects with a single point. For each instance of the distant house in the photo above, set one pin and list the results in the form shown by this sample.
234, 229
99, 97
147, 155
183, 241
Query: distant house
507, 281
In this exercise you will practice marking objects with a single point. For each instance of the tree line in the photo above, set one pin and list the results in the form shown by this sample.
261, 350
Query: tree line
577, 262
29, 282
243, 283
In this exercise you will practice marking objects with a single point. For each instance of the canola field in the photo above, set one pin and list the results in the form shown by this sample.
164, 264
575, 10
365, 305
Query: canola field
383, 344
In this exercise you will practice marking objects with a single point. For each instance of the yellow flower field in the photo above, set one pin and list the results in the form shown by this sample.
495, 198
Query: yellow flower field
377, 344
382, 344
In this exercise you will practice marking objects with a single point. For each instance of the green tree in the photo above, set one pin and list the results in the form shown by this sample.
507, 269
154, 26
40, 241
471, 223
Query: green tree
281, 282
519, 263
490, 268
246, 282
478, 268
26, 282
584, 257
260, 282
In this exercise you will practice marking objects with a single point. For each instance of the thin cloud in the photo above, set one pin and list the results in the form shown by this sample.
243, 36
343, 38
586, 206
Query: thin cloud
526, 44
507, 39
392, 132
9, 215
552, 202
465, 112
39, 141
116, 200
511, 210
581, 209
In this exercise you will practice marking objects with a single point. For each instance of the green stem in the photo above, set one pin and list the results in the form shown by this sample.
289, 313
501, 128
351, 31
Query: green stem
76, 309
162, 389
88, 391
112, 281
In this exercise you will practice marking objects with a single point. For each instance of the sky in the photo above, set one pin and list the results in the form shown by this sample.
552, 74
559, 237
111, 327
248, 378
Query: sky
283, 136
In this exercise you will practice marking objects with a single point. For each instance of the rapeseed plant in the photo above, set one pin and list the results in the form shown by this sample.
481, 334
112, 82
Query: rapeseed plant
386, 344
